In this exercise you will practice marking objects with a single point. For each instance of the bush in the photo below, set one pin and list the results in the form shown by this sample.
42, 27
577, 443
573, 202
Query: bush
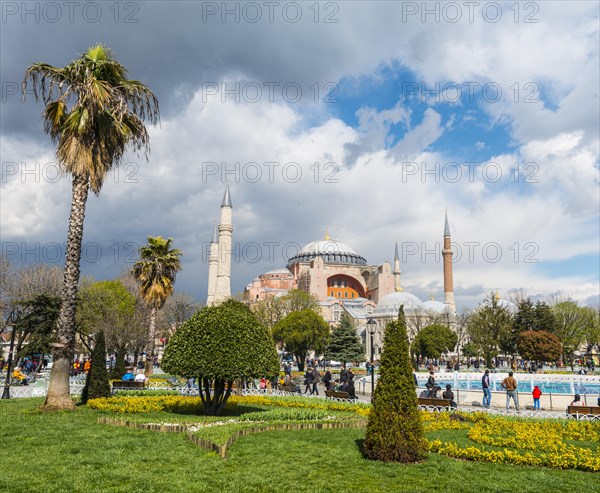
218, 345
395, 431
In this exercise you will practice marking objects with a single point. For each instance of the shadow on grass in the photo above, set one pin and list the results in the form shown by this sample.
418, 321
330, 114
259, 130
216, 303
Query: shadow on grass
360, 443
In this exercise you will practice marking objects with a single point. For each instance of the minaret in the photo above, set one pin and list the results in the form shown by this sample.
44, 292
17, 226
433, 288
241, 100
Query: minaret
213, 266
223, 287
448, 282
397, 286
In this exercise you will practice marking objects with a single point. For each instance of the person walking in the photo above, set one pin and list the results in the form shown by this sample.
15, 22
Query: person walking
510, 385
485, 385
343, 374
537, 393
316, 378
308, 380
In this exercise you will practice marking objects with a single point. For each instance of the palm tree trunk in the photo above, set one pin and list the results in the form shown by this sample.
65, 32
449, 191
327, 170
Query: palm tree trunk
151, 337
58, 389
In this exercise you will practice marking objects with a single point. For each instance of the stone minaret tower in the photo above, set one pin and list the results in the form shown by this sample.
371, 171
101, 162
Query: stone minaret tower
223, 285
213, 261
397, 286
448, 282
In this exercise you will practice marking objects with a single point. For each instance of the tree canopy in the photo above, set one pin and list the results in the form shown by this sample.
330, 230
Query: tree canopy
273, 309
218, 345
539, 345
36, 325
488, 327
300, 332
529, 317
434, 340
344, 343
573, 324
110, 307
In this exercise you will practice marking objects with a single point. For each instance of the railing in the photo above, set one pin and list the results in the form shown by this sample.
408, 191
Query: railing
25, 391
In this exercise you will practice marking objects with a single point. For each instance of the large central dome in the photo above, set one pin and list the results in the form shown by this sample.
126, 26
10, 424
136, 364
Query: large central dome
331, 251
327, 246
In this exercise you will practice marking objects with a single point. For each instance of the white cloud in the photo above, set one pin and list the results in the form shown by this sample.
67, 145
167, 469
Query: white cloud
370, 204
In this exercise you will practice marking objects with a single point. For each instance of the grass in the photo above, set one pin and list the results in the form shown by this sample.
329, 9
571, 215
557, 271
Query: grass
71, 452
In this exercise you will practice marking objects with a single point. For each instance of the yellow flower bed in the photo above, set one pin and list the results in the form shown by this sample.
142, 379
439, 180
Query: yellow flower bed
359, 409
533, 435
543, 442
187, 405
441, 421
578, 458
165, 403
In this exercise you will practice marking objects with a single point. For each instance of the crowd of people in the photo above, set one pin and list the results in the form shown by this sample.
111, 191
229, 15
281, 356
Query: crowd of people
311, 380
508, 384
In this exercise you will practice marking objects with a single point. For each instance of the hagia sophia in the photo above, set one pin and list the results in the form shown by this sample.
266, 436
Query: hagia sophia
339, 277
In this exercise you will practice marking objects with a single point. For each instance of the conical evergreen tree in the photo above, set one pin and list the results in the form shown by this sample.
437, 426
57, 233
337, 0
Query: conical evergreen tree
96, 383
119, 369
344, 343
395, 430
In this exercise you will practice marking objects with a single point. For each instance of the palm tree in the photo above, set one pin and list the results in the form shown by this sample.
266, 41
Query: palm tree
93, 113
155, 272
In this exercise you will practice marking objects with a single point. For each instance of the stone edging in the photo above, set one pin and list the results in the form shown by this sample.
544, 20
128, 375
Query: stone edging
222, 449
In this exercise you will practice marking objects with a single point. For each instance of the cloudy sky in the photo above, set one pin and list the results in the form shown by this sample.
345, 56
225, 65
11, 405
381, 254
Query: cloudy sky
366, 118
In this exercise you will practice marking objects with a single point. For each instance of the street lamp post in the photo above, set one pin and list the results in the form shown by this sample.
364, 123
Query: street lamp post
13, 320
371, 328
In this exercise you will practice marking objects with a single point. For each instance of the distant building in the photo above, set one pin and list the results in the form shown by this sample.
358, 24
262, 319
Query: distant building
339, 277
342, 280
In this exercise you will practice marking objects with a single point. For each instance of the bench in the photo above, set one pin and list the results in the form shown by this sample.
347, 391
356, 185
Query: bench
583, 410
120, 385
433, 402
332, 394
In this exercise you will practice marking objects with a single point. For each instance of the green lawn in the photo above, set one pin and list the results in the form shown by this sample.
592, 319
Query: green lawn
71, 452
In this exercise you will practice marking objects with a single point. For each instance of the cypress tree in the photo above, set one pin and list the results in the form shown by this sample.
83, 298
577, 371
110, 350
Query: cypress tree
395, 431
96, 383
119, 369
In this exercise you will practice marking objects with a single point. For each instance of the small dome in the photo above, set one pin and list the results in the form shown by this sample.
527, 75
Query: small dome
435, 306
391, 303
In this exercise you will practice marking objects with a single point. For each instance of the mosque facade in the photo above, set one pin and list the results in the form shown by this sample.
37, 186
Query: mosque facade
340, 278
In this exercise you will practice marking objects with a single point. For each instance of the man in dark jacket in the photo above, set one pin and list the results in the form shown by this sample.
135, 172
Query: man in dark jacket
485, 385
350, 389
307, 380
327, 380
316, 378
343, 374
449, 395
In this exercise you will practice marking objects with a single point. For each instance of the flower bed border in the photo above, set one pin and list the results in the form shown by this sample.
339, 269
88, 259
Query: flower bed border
222, 449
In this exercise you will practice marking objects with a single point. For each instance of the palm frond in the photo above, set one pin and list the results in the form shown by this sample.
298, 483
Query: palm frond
93, 112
